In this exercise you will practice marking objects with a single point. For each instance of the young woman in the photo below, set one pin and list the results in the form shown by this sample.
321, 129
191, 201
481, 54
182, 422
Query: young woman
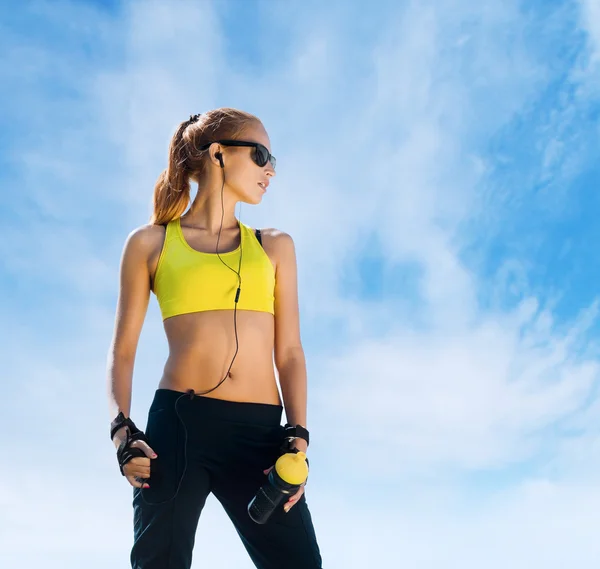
228, 299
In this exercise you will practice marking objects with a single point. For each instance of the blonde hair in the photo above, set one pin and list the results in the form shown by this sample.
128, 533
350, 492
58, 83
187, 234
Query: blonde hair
186, 162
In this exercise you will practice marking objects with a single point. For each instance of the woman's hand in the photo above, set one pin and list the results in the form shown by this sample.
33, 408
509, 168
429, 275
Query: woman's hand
137, 468
293, 499
302, 446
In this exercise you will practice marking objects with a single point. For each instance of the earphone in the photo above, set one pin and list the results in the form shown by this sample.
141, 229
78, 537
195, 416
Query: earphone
191, 393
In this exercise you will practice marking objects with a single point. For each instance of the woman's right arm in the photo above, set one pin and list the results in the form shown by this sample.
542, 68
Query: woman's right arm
132, 305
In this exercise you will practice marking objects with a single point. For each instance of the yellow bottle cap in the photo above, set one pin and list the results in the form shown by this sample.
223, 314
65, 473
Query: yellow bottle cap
292, 467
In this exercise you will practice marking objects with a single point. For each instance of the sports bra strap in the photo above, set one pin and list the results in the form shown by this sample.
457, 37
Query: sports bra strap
256, 231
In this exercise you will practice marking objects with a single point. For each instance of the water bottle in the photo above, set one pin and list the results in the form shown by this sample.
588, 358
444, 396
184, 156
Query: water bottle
289, 473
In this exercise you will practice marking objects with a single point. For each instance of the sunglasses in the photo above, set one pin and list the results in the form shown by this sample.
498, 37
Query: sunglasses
261, 154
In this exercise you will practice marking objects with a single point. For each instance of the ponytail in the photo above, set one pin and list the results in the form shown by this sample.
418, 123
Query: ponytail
186, 162
172, 189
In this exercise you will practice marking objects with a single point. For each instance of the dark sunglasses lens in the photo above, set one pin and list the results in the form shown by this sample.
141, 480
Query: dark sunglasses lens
262, 156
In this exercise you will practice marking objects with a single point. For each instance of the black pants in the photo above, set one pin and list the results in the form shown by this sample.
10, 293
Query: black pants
229, 444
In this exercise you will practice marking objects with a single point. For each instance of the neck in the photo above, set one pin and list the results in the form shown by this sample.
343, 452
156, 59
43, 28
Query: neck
206, 212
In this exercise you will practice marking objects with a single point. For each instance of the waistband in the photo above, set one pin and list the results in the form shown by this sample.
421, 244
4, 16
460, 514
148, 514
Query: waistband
209, 407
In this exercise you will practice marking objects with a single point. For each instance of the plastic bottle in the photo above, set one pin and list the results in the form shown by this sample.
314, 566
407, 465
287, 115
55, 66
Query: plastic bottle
290, 472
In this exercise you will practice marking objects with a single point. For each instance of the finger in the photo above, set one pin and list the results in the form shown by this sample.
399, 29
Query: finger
293, 500
139, 470
139, 461
145, 447
136, 483
268, 470
296, 496
134, 470
138, 473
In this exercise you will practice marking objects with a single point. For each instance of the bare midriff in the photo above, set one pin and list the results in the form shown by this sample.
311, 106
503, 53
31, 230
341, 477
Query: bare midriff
202, 345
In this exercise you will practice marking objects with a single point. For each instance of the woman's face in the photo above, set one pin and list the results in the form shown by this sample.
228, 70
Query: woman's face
243, 176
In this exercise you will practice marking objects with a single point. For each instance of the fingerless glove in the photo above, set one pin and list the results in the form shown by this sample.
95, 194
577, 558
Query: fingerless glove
125, 452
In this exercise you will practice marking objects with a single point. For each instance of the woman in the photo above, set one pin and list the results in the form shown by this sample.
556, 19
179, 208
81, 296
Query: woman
228, 299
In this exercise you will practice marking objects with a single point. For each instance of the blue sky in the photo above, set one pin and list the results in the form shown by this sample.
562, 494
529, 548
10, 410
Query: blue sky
437, 168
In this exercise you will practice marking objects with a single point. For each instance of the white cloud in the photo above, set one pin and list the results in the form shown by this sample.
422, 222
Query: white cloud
482, 397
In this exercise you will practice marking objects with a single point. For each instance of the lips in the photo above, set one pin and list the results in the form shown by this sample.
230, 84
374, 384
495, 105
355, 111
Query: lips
264, 185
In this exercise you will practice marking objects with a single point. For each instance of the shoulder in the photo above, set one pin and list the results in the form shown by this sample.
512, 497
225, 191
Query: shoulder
278, 244
146, 235
144, 240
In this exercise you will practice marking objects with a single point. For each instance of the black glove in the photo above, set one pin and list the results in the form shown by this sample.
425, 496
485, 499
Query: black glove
125, 452
299, 432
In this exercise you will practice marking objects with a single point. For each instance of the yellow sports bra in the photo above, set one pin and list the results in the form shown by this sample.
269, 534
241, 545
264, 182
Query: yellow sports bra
187, 280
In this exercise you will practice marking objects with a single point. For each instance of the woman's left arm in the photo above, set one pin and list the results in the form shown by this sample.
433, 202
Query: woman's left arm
289, 354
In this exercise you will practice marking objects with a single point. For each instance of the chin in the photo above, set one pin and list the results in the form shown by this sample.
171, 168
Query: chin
252, 200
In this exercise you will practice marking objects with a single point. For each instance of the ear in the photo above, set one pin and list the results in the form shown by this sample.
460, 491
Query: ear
217, 157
